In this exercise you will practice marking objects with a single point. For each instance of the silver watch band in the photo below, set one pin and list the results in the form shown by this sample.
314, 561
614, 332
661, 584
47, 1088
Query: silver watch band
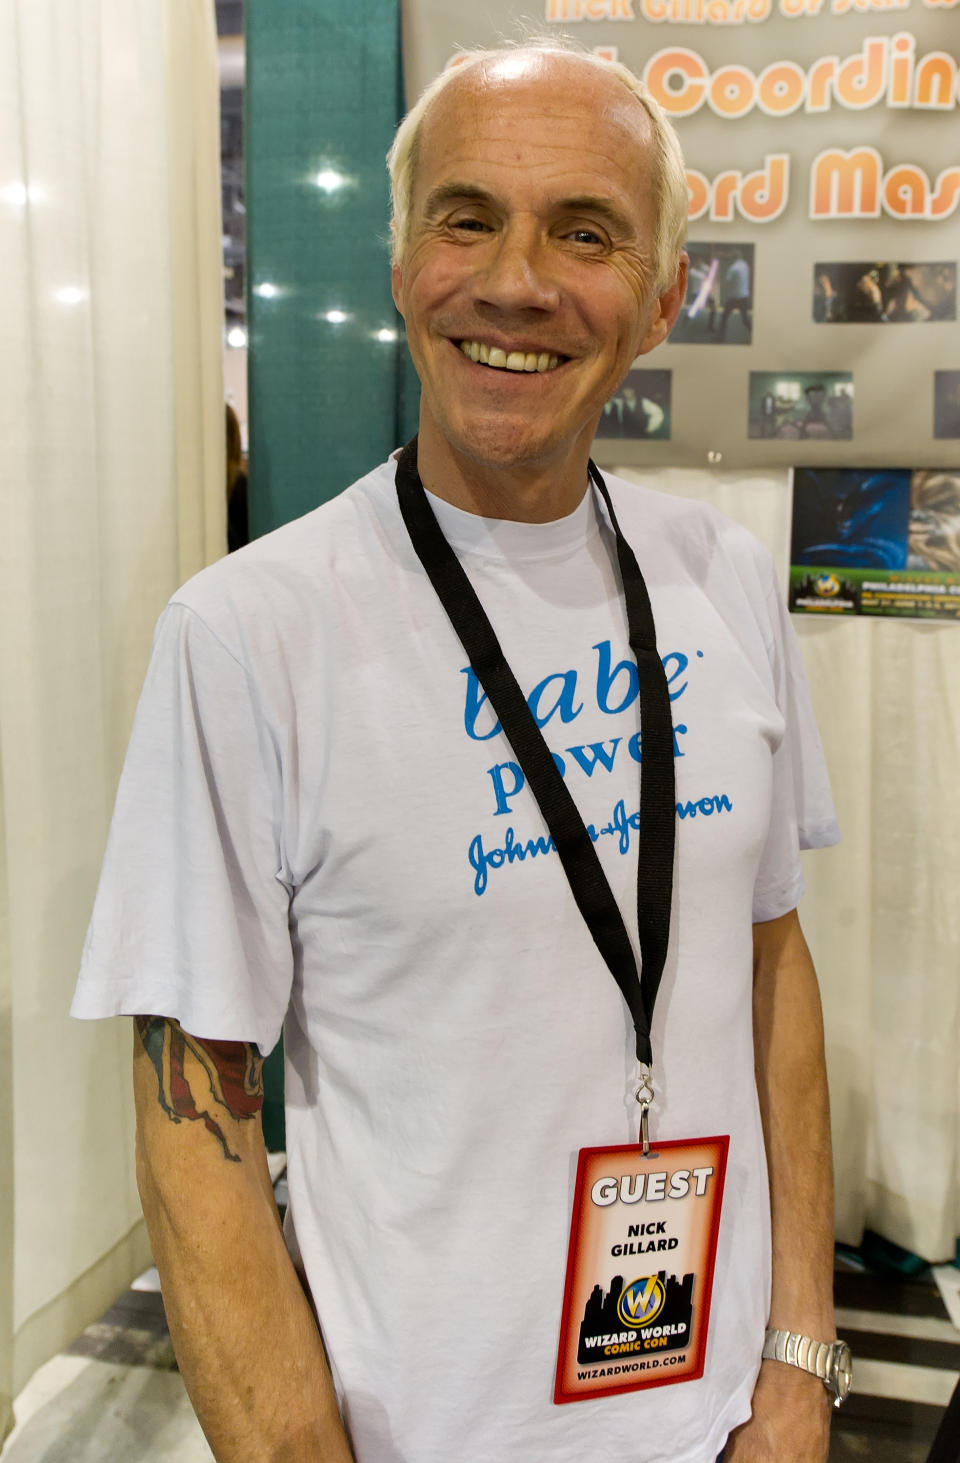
796, 1350
828, 1360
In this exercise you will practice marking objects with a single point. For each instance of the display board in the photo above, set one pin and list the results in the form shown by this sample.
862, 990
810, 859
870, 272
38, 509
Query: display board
821, 138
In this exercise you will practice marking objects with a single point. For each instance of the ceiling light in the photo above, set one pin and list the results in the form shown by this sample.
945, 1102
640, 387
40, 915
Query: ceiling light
328, 180
336, 317
237, 337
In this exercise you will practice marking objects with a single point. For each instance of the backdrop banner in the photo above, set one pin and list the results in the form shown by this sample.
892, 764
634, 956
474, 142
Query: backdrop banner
824, 181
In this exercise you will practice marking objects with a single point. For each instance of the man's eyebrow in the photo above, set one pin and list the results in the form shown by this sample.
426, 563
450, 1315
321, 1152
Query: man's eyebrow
455, 192
600, 206
595, 204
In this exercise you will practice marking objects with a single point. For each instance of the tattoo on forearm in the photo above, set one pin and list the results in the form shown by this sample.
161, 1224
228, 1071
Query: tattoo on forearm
202, 1080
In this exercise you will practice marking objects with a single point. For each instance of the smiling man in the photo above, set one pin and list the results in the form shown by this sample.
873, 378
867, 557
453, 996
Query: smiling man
338, 820
528, 245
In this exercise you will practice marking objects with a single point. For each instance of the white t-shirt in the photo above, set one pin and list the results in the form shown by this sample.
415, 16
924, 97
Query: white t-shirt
320, 826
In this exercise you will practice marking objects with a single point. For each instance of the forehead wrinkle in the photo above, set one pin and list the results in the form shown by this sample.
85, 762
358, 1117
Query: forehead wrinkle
547, 169
492, 129
536, 151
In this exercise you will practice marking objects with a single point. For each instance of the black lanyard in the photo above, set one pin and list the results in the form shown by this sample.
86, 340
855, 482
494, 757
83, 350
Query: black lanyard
588, 882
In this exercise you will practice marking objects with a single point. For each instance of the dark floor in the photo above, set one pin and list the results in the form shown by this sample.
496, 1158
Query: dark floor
906, 1363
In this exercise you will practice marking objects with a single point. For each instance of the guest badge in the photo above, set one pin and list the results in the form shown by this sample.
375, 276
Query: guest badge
643, 1240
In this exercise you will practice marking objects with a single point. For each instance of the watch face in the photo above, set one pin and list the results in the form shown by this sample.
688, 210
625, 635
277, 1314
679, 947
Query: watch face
841, 1370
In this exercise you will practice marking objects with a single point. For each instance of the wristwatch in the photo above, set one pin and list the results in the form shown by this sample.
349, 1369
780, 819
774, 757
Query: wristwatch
831, 1361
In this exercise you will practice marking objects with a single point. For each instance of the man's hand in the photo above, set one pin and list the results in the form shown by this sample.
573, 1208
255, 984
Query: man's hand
790, 1421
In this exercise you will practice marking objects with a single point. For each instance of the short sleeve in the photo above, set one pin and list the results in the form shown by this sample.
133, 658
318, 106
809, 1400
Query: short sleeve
191, 914
802, 813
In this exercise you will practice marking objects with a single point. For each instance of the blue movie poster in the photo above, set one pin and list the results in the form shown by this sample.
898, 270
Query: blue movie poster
876, 542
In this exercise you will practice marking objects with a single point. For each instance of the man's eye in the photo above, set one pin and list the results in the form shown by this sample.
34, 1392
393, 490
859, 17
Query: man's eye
470, 225
584, 236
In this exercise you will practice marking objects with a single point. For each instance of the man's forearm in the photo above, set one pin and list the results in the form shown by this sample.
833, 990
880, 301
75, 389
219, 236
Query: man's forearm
245, 1336
791, 1410
792, 1088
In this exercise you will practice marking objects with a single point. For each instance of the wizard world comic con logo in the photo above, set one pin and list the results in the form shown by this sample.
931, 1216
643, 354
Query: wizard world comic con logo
651, 1314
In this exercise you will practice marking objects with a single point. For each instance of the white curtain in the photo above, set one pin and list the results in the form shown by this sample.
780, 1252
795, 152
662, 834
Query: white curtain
882, 911
111, 424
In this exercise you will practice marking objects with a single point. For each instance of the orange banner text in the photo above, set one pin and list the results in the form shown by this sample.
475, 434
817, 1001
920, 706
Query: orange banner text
885, 70
843, 185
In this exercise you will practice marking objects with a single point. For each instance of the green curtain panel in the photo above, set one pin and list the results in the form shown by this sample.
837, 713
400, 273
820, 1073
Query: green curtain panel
332, 391
330, 386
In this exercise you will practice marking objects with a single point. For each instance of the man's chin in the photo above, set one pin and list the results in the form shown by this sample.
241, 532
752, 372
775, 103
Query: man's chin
505, 446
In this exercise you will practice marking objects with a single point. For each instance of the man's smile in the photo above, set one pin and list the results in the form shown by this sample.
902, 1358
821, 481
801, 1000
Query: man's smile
517, 360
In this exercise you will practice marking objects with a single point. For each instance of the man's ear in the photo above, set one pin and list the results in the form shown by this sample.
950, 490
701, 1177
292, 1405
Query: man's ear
396, 282
667, 309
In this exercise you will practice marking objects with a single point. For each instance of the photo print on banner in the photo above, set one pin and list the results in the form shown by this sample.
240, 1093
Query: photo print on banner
879, 293
640, 410
801, 406
718, 305
876, 542
946, 404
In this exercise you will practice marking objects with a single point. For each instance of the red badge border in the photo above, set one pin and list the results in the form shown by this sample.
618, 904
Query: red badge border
559, 1395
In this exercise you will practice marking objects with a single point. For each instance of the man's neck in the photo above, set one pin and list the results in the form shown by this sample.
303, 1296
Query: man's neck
528, 492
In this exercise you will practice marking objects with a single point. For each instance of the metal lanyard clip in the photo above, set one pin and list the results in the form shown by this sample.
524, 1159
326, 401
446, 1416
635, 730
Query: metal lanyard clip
644, 1096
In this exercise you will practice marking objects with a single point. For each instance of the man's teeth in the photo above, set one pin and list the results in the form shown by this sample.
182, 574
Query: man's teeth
487, 355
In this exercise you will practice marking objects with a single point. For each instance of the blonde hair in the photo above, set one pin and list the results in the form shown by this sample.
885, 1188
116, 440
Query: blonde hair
670, 179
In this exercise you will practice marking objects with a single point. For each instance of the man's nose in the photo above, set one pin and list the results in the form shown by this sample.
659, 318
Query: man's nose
516, 272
